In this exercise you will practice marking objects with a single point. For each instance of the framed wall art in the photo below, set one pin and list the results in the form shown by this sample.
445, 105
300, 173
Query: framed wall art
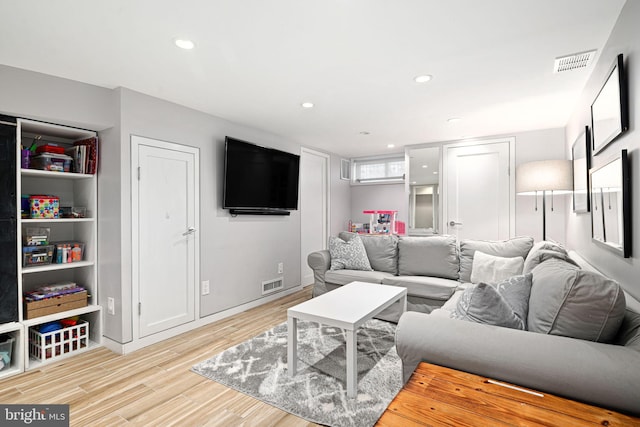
581, 159
611, 205
610, 109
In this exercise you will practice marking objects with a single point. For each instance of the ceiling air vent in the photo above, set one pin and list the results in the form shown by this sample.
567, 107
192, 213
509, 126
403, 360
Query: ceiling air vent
573, 62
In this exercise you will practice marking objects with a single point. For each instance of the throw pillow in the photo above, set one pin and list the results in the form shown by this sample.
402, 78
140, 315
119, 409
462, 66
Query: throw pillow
483, 303
493, 269
571, 302
349, 255
542, 255
435, 256
382, 250
534, 258
518, 246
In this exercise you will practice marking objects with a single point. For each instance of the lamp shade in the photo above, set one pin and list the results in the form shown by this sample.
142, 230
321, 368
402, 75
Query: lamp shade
544, 175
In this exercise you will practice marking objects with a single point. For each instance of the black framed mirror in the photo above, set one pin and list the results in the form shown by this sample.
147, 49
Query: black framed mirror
611, 205
581, 159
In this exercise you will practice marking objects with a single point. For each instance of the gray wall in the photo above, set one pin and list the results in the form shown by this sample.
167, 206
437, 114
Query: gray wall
237, 254
625, 39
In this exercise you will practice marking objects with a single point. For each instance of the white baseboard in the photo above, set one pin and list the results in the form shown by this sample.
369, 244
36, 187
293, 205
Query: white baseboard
126, 348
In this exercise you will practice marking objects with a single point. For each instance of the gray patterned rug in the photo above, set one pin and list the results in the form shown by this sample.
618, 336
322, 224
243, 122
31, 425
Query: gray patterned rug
318, 392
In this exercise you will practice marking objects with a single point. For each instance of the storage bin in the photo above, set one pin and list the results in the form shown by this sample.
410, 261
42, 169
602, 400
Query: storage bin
36, 236
50, 345
44, 206
6, 349
51, 162
37, 255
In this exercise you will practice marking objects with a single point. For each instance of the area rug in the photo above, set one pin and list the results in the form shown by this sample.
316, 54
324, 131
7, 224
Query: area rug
318, 392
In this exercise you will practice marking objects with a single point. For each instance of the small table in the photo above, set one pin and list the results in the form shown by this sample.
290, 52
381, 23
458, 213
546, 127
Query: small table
347, 307
435, 395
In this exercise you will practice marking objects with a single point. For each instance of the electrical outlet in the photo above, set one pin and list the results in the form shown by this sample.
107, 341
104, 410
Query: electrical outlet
280, 268
205, 287
111, 306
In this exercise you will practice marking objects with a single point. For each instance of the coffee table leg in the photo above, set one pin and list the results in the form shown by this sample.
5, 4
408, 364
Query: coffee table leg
292, 345
352, 364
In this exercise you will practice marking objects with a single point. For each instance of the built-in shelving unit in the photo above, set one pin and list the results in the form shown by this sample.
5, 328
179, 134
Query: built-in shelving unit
73, 189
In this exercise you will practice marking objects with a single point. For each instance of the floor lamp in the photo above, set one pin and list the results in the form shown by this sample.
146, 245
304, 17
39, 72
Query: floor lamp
544, 175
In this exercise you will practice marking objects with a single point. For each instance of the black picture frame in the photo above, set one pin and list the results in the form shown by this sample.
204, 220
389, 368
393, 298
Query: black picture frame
610, 108
611, 205
581, 161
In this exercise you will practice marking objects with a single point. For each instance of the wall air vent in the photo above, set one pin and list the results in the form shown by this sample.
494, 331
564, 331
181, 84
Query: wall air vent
273, 285
573, 62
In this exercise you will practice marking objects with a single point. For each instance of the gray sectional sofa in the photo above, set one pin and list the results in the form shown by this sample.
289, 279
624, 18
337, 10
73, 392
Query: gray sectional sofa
581, 336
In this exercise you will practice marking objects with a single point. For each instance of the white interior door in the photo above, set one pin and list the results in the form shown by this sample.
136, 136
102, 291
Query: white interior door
165, 233
314, 207
479, 190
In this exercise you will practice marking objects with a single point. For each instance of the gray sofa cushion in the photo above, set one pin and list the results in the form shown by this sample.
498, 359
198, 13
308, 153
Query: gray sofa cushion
348, 255
424, 286
504, 304
518, 246
342, 277
574, 303
382, 250
428, 256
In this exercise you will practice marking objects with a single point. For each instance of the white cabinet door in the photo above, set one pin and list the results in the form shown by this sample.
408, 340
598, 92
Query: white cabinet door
164, 233
479, 192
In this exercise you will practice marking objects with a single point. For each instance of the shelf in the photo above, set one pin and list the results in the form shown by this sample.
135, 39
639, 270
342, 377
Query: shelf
55, 220
62, 315
55, 267
56, 175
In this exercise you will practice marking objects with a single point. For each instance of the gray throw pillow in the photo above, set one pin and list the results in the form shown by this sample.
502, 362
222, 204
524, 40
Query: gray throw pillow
435, 256
382, 250
349, 255
518, 246
483, 303
535, 255
574, 303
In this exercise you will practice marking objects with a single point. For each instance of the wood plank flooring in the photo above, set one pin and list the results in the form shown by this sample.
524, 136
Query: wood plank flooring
154, 386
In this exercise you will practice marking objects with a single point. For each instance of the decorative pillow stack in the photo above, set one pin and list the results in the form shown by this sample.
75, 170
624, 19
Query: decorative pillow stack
382, 250
543, 251
503, 304
349, 255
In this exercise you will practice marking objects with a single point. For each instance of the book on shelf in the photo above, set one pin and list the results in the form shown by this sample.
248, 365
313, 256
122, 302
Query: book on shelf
85, 155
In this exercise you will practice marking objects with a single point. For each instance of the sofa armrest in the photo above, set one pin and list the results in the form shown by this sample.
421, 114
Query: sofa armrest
603, 374
320, 262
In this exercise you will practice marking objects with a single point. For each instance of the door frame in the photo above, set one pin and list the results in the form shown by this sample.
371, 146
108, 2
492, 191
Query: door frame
327, 210
136, 141
512, 175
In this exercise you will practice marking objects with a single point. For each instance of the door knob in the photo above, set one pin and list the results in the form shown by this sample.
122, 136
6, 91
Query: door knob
453, 223
191, 230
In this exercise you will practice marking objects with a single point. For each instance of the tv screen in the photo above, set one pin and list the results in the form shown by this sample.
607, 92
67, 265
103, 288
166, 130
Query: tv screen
258, 178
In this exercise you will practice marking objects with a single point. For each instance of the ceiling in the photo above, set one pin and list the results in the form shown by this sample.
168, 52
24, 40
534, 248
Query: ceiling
256, 61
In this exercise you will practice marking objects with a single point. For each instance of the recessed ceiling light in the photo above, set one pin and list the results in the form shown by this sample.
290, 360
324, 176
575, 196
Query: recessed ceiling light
364, 132
390, 145
424, 166
422, 79
454, 119
435, 172
307, 105
184, 44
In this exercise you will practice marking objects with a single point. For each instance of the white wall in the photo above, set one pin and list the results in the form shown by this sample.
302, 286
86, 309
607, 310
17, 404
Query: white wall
625, 39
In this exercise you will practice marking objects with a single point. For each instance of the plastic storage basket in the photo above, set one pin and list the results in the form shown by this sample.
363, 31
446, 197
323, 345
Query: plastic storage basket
49, 345
6, 348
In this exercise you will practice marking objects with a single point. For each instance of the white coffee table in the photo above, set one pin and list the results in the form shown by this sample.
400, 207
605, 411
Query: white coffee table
347, 307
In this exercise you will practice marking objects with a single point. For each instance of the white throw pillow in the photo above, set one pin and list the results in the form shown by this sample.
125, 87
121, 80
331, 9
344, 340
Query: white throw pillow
493, 269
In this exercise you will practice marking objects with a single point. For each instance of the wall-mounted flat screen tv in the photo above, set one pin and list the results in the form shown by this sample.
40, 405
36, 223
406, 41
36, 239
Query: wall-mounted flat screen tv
259, 180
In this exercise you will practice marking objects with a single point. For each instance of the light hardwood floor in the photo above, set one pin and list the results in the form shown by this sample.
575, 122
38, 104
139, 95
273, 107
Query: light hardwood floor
154, 386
